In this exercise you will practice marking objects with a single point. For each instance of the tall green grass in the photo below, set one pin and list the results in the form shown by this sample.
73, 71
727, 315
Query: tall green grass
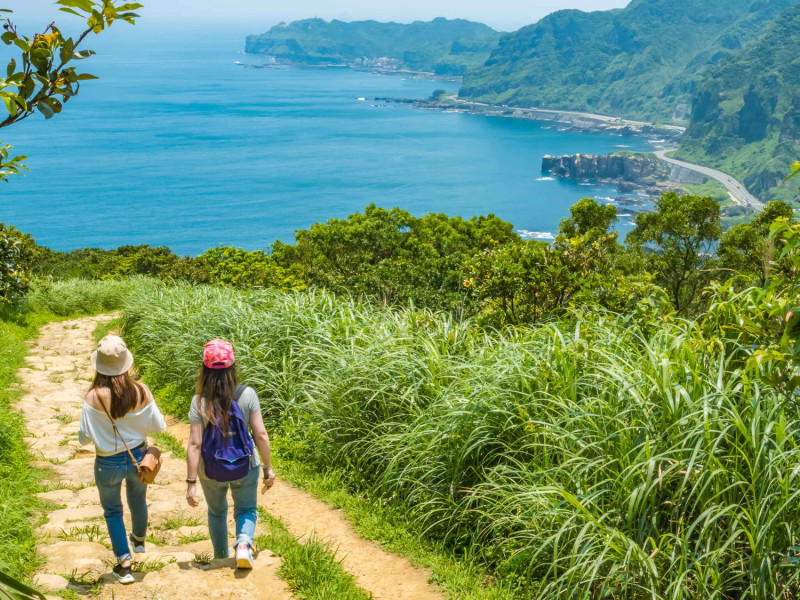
586, 460
18, 482
76, 297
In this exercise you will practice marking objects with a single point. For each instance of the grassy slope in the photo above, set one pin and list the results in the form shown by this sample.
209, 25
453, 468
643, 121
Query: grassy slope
461, 577
588, 457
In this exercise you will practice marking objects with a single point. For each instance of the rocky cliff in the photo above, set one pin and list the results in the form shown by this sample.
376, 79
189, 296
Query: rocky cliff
629, 171
634, 168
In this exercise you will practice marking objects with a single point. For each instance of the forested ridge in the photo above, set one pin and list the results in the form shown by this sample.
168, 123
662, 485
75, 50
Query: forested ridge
443, 46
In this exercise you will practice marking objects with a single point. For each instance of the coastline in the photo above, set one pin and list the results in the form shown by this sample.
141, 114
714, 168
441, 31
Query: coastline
660, 136
564, 120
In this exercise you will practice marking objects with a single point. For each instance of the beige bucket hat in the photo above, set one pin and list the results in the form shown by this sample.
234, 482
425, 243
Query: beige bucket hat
112, 356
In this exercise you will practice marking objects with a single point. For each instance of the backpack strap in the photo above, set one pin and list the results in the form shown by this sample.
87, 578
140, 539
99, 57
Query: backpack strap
239, 391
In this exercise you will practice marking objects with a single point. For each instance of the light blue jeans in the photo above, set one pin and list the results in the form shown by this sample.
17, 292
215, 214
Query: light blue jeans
109, 472
245, 510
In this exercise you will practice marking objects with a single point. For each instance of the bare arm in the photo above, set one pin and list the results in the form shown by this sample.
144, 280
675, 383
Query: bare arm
193, 461
261, 438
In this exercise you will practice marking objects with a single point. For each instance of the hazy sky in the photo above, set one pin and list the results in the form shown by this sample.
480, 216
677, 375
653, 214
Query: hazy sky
261, 14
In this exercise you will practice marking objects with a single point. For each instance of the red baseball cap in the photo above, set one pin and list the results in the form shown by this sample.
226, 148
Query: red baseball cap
218, 354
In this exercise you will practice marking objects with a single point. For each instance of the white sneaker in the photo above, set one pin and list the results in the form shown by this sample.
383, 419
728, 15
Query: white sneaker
138, 545
123, 574
244, 558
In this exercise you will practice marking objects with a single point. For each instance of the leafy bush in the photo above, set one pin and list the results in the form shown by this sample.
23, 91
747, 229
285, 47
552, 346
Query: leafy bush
17, 253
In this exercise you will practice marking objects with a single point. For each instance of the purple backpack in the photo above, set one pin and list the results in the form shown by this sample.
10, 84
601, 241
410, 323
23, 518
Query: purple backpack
227, 458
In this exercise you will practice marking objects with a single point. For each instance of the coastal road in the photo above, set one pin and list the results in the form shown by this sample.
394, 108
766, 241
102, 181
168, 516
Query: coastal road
554, 114
736, 189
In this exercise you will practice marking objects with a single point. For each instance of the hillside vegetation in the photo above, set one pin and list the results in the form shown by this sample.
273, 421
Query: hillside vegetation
609, 421
443, 46
629, 456
746, 112
639, 62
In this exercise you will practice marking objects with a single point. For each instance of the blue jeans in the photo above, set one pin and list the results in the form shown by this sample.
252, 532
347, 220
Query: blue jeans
109, 472
245, 513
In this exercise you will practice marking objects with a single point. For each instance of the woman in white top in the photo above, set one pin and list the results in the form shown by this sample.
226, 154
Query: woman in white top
115, 394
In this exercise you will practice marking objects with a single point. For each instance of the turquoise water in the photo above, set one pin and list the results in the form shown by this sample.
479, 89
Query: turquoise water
178, 145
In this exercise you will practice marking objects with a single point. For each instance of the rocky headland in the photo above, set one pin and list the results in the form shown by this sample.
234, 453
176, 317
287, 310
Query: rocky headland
629, 171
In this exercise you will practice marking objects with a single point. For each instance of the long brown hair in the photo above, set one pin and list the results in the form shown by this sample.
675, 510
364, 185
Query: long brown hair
126, 392
216, 388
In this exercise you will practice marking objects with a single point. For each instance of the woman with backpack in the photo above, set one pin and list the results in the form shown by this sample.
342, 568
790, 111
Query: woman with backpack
222, 451
118, 414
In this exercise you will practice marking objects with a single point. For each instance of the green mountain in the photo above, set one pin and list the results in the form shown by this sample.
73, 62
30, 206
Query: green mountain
446, 47
746, 112
643, 61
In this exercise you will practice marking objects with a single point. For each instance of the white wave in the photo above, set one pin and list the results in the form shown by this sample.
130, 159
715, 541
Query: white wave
546, 179
608, 199
361, 99
535, 235
587, 184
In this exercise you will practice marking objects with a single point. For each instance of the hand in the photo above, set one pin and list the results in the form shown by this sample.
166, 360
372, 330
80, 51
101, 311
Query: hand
191, 495
269, 480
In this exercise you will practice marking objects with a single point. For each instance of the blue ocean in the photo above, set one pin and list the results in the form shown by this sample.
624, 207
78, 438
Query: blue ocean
181, 144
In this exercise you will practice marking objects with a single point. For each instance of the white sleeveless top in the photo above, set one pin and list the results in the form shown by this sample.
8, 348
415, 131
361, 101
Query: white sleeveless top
133, 427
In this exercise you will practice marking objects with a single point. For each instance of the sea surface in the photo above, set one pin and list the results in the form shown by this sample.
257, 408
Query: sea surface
179, 145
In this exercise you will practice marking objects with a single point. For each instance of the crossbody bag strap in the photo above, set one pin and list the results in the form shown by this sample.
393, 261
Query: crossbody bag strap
117, 434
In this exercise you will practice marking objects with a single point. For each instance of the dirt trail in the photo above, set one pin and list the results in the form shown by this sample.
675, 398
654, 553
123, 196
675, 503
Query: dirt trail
74, 540
74, 537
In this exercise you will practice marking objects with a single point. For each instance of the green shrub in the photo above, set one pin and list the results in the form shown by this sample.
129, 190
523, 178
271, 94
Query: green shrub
17, 254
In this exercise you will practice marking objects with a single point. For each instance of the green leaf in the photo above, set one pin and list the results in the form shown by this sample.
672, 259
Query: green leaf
22, 44
81, 54
7, 37
53, 103
70, 11
45, 110
10, 105
12, 67
67, 50
15, 590
86, 5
